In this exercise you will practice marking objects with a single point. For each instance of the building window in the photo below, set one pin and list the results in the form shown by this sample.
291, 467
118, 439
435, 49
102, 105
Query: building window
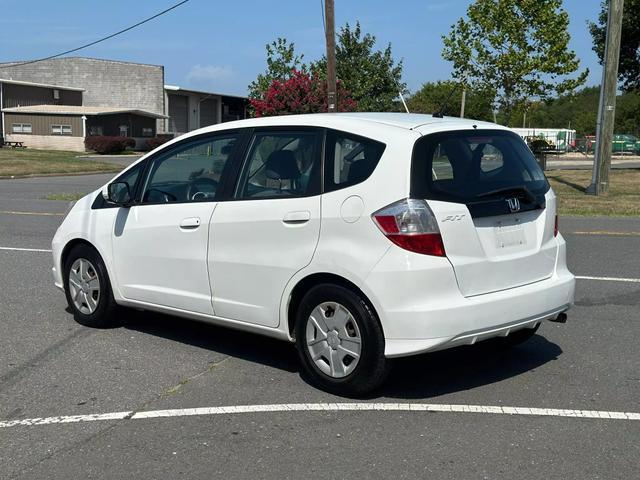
61, 129
95, 130
147, 132
124, 131
21, 128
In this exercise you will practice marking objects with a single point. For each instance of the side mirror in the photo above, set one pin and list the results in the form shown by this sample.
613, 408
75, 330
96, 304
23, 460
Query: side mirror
117, 193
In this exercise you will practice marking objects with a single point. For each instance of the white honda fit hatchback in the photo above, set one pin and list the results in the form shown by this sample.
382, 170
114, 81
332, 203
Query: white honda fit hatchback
360, 237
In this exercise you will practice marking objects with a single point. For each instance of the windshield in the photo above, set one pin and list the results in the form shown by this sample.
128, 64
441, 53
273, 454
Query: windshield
470, 166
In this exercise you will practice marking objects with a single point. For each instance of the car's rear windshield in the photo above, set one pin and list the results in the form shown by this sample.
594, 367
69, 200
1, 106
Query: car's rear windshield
472, 166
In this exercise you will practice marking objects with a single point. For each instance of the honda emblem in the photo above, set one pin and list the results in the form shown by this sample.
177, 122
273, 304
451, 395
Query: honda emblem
514, 204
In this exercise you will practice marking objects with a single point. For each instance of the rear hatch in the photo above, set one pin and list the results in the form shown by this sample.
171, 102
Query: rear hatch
493, 205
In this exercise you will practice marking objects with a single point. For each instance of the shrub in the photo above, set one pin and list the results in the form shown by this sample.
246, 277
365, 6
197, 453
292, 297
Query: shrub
106, 145
155, 142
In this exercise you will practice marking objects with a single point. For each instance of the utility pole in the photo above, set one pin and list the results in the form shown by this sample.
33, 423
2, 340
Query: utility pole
464, 98
606, 109
332, 100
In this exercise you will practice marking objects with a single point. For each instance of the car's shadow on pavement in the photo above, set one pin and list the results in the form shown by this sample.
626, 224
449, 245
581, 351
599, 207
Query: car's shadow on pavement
417, 377
464, 368
226, 341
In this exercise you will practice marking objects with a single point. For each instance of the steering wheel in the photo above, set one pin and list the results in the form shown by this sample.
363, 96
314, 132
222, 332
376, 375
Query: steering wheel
202, 188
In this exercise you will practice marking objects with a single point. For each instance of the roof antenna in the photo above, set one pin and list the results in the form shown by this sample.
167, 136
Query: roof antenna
400, 92
445, 104
403, 102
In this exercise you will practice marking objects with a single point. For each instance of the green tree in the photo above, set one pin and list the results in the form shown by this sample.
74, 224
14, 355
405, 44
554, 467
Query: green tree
628, 113
580, 110
517, 48
372, 76
282, 60
629, 67
577, 111
445, 95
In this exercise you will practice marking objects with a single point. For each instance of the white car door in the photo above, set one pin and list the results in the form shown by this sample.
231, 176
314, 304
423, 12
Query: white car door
160, 244
269, 229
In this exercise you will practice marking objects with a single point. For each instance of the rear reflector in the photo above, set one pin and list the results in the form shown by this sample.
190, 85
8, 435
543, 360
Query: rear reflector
411, 225
425, 243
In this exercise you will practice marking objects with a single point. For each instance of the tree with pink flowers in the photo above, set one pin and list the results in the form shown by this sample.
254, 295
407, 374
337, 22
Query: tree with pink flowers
301, 93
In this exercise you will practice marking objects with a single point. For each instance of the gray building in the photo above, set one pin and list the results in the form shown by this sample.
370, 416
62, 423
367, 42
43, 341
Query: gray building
55, 117
191, 109
56, 103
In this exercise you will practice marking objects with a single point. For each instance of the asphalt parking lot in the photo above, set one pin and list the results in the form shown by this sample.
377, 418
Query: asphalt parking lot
463, 413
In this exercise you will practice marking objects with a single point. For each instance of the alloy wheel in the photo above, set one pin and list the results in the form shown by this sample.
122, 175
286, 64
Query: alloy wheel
84, 286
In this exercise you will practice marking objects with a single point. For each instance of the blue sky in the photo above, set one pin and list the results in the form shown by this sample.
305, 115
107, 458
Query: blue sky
219, 45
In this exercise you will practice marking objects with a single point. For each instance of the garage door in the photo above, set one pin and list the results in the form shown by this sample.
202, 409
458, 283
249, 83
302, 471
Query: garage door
178, 113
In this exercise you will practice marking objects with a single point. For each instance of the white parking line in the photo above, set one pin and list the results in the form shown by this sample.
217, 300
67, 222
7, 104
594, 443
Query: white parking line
578, 277
41, 214
609, 279
19, 249
325, 407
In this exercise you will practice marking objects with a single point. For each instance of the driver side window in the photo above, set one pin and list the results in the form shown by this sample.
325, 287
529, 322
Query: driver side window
190, 172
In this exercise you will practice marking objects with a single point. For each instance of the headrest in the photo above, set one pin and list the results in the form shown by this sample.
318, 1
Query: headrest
282, 165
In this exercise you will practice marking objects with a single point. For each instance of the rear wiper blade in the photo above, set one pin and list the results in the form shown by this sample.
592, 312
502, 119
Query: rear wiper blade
519, 189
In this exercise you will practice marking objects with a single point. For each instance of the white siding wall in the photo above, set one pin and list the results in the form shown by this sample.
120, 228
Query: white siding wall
49, 142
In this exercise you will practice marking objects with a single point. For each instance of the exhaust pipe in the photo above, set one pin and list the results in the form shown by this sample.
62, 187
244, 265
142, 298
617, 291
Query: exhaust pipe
561, 318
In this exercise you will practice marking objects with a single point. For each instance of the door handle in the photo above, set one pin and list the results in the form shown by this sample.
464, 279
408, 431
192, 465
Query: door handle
297, 217
190, 223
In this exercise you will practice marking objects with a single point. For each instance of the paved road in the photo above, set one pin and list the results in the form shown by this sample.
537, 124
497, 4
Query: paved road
123, 160
581, 162
560, 162
51, 366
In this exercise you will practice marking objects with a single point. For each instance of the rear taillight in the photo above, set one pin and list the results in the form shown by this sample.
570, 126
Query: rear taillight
411, 225
555, 227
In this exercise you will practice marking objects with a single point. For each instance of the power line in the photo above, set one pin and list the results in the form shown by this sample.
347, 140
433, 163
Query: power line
97, 41
324, 24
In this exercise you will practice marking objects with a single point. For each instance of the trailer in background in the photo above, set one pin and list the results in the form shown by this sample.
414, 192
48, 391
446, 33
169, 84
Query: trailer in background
559, 140
621, 144
625, 143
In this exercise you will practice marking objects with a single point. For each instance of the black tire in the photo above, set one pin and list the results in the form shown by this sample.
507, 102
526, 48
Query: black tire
104, 315
518, 337
371, 368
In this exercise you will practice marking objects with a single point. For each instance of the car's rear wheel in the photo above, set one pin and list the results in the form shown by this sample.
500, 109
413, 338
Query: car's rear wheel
519, 336
340, 341
88, 289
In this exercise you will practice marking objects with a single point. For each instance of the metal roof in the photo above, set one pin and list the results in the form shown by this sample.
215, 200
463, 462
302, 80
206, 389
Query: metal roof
80, 110
176, 88
43, 85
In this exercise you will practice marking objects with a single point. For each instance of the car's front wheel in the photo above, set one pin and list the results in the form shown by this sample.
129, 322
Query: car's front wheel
88, 289
340, 341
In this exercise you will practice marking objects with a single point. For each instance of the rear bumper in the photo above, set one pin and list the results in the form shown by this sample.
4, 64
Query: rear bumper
422, 309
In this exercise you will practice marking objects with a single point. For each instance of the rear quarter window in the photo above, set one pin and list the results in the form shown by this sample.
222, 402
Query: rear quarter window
349, 159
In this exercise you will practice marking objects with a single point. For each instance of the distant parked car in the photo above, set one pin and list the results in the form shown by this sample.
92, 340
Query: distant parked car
360, 237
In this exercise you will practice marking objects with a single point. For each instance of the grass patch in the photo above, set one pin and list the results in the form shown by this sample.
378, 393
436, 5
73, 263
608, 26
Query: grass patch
67, 197
26, 161
623, 198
